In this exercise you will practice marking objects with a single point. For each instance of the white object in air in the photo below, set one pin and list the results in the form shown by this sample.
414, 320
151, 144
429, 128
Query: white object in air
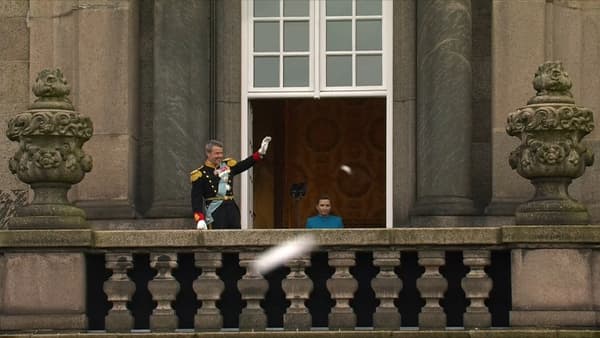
280, 254
346, 169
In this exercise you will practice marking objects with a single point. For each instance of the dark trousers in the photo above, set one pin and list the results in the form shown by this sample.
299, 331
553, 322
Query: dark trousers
227, 216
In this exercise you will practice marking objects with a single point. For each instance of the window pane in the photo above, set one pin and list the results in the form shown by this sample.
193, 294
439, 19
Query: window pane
338, 7
368, 35
295, 7
266, 71
368, 70
295, 36
264, 8
368, 7
339, 70
339, 35
266, 36
295, 71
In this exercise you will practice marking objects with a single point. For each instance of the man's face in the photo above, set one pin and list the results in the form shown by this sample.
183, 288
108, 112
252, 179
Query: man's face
215, 155
324, 207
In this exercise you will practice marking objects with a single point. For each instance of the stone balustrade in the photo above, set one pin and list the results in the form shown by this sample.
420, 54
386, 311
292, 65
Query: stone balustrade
377, 279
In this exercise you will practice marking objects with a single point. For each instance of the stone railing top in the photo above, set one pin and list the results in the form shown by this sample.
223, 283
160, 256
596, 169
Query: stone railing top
404, 237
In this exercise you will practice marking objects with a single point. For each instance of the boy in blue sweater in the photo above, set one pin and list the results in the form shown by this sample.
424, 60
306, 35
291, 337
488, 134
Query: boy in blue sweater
324, 220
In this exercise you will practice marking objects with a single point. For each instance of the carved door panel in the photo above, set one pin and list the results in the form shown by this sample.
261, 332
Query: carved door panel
320, 136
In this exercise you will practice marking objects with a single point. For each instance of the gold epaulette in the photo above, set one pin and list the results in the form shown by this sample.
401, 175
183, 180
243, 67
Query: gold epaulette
195, 174
230, 162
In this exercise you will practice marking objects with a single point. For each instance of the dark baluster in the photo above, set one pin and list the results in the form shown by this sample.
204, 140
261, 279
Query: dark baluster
432, 286
208, 288
119, 289
477, 286
342, 287
297, 287
387, 286
253, 288
164, 288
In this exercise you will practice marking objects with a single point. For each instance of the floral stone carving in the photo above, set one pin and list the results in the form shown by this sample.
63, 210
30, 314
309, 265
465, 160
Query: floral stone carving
551, 154
49, 158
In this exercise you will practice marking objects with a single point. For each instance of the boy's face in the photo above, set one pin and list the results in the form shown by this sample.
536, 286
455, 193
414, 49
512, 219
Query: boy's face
324, 207
215, 155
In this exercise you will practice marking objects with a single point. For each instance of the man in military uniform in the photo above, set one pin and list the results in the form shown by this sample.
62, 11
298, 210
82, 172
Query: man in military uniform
212, 195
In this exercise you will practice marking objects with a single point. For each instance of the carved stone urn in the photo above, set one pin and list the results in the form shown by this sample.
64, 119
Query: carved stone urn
551, 154
50, 159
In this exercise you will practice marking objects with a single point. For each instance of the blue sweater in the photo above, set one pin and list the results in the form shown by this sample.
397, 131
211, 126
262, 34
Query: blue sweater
324, 222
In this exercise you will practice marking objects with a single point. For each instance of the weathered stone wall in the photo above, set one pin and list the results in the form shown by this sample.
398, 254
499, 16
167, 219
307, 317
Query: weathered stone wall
14, 95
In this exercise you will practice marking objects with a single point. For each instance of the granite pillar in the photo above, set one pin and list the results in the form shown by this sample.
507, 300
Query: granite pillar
444, 108
55, 300
405, 97
181, 102
228, 65
518, 35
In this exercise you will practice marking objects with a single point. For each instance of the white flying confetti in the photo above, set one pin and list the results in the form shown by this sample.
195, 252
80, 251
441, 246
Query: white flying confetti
346, 169
280, 254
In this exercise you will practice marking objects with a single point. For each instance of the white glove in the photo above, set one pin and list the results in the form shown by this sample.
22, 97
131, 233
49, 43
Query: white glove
264, 145
201, 225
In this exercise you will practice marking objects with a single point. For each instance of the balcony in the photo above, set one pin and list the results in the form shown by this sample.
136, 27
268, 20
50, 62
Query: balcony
450, 282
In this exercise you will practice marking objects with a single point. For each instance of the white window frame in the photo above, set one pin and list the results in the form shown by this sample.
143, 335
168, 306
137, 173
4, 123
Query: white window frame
316, 89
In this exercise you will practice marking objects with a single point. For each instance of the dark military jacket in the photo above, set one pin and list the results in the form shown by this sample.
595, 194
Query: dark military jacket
205, 183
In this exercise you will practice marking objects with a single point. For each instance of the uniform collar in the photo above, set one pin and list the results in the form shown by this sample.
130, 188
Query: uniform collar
209, 164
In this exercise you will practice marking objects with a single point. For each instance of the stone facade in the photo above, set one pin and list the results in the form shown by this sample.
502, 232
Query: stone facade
120, 43
158, 77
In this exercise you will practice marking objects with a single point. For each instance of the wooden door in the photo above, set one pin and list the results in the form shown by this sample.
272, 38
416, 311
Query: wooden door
319, 136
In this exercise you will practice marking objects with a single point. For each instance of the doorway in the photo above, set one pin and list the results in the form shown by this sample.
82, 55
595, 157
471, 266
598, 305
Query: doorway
312, 140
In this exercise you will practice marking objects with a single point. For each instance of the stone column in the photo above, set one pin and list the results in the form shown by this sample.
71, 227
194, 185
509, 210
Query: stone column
96, 47
477, 286
387, 286
181, 102
432, 286
297, 287
342, 287
405, 98
119, 289
164, 288
444, 108
43, 291
518, 35
208, 288
253, 288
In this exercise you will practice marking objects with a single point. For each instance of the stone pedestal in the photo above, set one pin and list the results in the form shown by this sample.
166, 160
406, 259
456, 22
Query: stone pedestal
43, 291
553, 287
